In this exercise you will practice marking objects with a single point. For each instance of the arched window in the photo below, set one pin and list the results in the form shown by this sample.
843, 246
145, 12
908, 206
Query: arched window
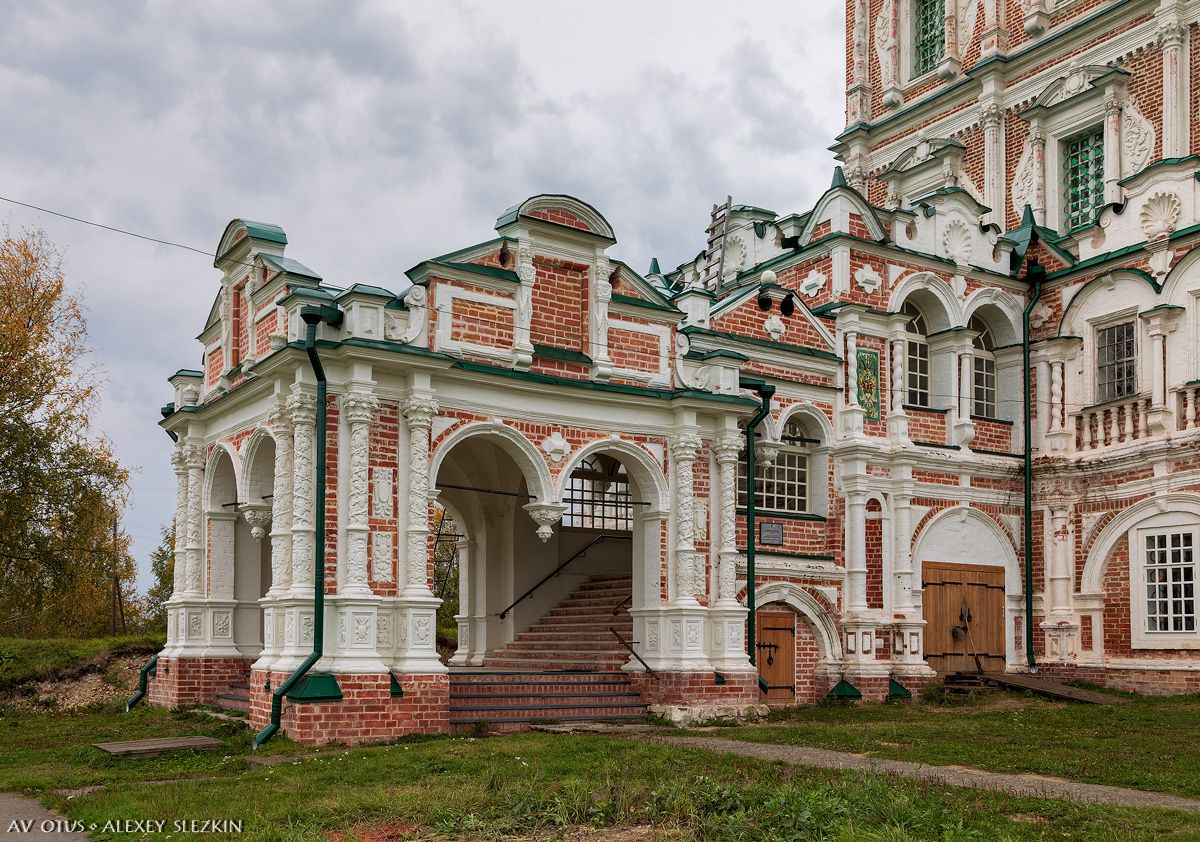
782, 485
598, 495
983, 395
917, 356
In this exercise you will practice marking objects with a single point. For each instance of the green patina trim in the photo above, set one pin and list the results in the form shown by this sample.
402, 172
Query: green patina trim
394, 688
566, 355
995, 420
631, 301
937, 446
916, 408
288, 266
368, 289
768, 513
1161, 162
896, 690
753, 209
648, 286
316, 687
844, 691
495, 241
765, 343
188, 372
983, 452
1158, 307
724, 353
473, 268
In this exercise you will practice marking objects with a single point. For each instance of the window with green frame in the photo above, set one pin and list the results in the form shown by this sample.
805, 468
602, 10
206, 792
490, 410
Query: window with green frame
929, 34
1083, 177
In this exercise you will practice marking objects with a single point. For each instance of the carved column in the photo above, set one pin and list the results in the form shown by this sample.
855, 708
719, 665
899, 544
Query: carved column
179, 574
727, 449
995, 32
194, 583
858, 98
683, 457
901, 508
897, 390
887, 48
1037, 141
303, 406
1112, 140
856, 552
419, 410
1059, 625
358, 408
1172, 37
951, 61
281, 506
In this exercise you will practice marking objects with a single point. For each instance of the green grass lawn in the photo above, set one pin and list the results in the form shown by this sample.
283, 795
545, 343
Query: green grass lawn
31, 660
1151, 744
521, 786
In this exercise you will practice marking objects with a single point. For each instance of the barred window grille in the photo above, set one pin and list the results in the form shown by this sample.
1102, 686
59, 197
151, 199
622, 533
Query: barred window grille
918, 357
783, 485
1116, 362
984, 379
598, 496
1170, 582
1083, 177
929, 37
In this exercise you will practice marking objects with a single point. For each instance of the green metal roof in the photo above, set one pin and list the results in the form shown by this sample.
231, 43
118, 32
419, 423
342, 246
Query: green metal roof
291, 267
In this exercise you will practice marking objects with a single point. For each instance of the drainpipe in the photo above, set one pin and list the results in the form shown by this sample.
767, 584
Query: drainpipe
1035, 275
312, 316
765, 393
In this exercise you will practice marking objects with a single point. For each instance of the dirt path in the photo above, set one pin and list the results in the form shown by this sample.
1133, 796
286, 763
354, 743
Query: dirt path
1035, 786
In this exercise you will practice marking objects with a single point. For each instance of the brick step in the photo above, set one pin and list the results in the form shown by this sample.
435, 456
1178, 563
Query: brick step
510, 724
535, 662
601, 646
598, 629
490, 701
234, 701
571, 678
549, 711
565, 610
541, 689
555, 636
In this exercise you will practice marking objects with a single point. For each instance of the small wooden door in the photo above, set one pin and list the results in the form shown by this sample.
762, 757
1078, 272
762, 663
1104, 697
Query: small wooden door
964, 617
775, 643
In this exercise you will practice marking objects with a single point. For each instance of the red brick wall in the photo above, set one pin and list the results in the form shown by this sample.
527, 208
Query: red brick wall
561, 217
874, 554
560, 301
481, 324
992, 435
179, 682
385, 437
634, 350
926, 425
1146, 90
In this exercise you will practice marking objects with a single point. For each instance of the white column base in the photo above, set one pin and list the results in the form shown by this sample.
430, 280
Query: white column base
351, 634
672, 638
1062, 638
411, 647
216, 629
272, 634
859, 642
727, 636
296, 616
471, 640
908, 648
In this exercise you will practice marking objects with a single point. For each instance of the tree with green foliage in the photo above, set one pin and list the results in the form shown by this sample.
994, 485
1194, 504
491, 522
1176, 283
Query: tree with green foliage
162, 566
61, 488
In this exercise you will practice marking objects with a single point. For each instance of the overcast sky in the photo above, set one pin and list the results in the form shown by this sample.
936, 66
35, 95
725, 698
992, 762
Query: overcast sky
378, 134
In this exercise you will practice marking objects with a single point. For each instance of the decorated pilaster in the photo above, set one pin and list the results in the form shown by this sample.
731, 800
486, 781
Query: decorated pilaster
1160, 322
727, 618
527, 275
601, 296
995, 30
175, 614
297, 605
281, 538
887, 50
1172, 38
858, 98
358, 410
1112, 140
683, 460
897, 388
1060, 625
951, 61
413, 645
991, 116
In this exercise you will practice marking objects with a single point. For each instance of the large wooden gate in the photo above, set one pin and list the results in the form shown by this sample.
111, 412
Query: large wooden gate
775, 643
964, 617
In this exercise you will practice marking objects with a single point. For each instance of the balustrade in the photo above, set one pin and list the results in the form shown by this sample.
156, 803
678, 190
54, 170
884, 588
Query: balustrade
1112, 423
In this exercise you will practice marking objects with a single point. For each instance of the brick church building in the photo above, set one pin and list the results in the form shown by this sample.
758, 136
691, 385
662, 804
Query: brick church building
1004, 257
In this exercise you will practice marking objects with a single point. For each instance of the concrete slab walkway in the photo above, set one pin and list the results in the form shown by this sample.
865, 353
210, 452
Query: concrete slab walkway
23, 818
1034, 786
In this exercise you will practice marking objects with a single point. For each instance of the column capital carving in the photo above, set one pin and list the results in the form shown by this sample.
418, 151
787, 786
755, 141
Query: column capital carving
179, 458
420, 409
727, 448
258, 518
359, 406
685, 445
195, 455
991, 115
303, 407
1171, 33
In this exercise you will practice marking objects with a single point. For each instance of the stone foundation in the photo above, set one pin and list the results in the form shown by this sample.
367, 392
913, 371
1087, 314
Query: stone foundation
367, 713
690, 697
1147, 682
179, 682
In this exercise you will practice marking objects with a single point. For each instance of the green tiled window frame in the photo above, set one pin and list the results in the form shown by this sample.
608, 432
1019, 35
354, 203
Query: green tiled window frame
1083, 177
929, 34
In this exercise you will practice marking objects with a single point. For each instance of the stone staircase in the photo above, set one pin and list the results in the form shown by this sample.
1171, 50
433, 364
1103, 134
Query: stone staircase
574, 635
236, 697
565, 668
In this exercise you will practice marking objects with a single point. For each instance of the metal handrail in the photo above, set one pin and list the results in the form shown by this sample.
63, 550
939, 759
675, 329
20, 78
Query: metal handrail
627, 645
621, 605
598, 539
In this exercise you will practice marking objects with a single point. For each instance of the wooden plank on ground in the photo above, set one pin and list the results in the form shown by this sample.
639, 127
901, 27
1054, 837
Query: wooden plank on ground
1054, 689
155, 747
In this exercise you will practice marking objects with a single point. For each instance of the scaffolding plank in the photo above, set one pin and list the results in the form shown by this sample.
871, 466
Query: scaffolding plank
155, 747
1054, 689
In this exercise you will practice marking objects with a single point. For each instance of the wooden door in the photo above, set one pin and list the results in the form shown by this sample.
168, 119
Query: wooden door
964, 617
775, 643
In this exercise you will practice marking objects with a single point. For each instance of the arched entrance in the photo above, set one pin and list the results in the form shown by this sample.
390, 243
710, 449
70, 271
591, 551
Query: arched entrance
548, 571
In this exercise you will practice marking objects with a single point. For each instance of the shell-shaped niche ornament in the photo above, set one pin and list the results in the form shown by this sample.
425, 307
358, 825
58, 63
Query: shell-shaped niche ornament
958, 243
1160, 213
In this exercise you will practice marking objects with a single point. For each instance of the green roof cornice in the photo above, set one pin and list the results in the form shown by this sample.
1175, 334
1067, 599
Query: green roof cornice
1160, 163
632, 301
762, 343
289, 267
188, 372
566, 355
430, 267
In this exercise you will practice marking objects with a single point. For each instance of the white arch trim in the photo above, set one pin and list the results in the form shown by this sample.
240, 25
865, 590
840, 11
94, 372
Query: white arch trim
1118, 528
260, 435
1175, 287
210, 473
641, 466
969, 552
805, 603
806, 411
928, 282
1125, 288
521, 449
1003, 301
